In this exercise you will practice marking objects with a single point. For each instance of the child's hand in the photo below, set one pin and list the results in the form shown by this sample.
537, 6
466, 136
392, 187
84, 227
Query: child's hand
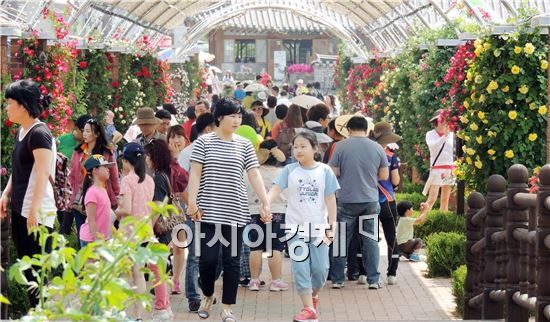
423, 206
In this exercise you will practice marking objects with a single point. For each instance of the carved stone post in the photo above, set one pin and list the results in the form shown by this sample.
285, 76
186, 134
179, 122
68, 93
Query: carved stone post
516, 218
496, 185
543, 253
473, 234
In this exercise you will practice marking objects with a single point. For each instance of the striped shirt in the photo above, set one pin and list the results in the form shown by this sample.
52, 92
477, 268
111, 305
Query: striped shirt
222, 192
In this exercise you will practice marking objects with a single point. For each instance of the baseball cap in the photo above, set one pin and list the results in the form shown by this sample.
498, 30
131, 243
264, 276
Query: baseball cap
96, 161
132, 152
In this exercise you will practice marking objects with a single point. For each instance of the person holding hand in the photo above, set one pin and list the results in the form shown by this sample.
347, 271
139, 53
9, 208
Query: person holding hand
218, 202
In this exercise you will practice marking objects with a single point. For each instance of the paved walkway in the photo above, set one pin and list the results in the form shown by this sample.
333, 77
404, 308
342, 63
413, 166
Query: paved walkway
414, 298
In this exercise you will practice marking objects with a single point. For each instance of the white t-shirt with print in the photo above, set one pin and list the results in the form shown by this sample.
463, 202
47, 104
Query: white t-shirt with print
306, 192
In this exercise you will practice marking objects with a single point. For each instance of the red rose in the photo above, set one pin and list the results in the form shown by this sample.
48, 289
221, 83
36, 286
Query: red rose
83, 64
115, 84
139, 74
8, 123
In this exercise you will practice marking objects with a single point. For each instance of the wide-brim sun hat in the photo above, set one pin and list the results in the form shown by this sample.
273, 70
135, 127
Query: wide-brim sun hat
306, 101
341, 125
383, 134
146, 115
316, 128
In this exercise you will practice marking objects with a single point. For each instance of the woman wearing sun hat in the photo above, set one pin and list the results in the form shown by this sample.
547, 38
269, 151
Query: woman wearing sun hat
384, 135
440, 141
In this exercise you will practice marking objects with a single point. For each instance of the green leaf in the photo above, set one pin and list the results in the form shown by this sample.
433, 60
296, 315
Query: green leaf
83, 255
4, 300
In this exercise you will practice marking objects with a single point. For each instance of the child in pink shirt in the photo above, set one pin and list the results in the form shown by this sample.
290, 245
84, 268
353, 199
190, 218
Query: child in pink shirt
96, 201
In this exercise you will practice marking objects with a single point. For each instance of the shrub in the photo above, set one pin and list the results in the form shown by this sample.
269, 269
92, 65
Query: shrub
445, 252
459, 277
440, 221
409, 187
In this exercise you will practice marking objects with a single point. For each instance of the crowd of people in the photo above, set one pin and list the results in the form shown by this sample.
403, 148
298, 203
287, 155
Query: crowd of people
263, 175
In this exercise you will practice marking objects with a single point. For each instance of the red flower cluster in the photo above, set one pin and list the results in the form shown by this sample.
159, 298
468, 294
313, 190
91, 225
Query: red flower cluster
144, 72
83, 65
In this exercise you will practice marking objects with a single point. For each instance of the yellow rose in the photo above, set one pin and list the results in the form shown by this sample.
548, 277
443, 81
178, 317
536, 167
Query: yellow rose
492, 134
542, 110
473, 97
517, 50
523, 89
509, 154
486, 46
466, 104
468, 160
474, 127
478, 164
493, 85
470, 151
469, 75
478, 51
491, 152
532, 137
509, 101
512, 115
481, 115
529, 48
532, 106
544, 64
481, 98
464, 119
505, 89
466, 138
479, 139
478, 42
515, 70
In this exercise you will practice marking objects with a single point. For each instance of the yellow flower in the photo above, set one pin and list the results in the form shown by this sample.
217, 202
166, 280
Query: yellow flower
544, 64
529, 48
464, 119
543, 110
486, 46
509, 154
478, 42
478, 51
478, 164
491, 152
523, 89
468, 160
479, 139
515, 70
512, 115
532, 137
473, 97
505, 89
474, 127
466, 104
493, 85
470, 151
492, 134
466, 138
481, 98
532, 106
517, 50
509, 101
469, 75
481, 115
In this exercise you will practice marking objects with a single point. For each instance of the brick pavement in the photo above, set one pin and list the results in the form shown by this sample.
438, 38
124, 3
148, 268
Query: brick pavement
414, 298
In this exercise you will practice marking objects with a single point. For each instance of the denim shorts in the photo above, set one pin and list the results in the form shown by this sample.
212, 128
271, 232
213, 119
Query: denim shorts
276, 222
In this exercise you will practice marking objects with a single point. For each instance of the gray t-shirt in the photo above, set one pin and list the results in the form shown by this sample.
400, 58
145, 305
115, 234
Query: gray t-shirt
359, 159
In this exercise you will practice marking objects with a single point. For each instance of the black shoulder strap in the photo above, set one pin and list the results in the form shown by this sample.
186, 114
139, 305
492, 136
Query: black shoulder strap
438, 154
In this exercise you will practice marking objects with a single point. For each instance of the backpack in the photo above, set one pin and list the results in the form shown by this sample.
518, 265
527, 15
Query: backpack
284, 139
60, 182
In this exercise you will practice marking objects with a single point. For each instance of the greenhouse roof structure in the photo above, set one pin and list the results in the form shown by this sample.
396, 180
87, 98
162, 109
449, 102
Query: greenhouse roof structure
362, 24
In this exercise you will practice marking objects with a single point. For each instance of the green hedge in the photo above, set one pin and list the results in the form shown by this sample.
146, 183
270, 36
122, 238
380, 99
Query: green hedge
459, 278
416, 198
445, 253
440, 221
409, 187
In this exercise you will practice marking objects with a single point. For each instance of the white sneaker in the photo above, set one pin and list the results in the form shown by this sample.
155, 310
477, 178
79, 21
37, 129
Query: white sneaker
162, 315
392, 280
362, 280
375, 286
337, 285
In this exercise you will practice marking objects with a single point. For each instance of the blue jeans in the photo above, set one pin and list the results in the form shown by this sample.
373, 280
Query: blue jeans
311, 272
348, 213
192, 268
